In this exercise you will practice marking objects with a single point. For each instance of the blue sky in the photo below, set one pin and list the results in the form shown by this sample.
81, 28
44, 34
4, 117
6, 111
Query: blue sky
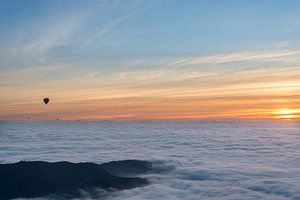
93, 43
85, 30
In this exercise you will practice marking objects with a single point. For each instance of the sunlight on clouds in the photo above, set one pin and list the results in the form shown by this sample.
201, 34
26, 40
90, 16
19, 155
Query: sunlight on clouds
247, 94
286, 113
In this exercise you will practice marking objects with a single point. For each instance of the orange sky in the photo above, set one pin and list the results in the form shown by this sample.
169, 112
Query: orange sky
253, 93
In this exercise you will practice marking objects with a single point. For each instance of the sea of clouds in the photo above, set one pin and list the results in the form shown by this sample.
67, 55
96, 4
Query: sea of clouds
192, 160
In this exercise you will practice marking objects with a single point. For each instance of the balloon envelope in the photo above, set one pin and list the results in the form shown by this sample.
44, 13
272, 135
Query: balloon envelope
46, 100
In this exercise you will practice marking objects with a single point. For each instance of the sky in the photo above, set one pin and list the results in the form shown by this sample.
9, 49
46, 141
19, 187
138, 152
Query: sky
149, 60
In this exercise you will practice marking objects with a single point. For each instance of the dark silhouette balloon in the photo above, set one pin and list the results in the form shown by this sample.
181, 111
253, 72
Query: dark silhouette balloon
46, 100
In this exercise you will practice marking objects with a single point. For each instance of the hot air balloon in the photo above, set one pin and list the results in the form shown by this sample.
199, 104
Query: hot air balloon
46, 100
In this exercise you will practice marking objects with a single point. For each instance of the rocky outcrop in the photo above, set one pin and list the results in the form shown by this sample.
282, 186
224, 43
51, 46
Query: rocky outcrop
38, 178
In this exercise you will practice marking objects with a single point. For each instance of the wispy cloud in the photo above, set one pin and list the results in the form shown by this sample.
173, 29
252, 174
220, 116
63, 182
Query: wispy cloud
139, 75
103, 31
258, 56
38, 38
107, 28
195, 68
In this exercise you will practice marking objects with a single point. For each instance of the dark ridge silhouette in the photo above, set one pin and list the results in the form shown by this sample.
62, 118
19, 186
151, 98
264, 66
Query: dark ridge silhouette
127, 168
38, 178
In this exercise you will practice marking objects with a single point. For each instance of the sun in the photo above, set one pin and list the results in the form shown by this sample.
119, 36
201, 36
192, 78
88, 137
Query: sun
287, 114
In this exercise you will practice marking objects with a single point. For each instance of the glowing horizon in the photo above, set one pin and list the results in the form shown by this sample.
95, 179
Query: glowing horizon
105, 60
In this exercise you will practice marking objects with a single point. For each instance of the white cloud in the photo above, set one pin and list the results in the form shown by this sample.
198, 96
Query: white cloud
271, 56
38, 38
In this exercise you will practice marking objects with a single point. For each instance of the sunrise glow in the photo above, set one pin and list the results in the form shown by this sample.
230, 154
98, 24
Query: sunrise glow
287, 114
126, 61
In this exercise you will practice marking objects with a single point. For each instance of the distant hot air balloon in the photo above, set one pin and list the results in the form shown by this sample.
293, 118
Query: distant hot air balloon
46, 100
